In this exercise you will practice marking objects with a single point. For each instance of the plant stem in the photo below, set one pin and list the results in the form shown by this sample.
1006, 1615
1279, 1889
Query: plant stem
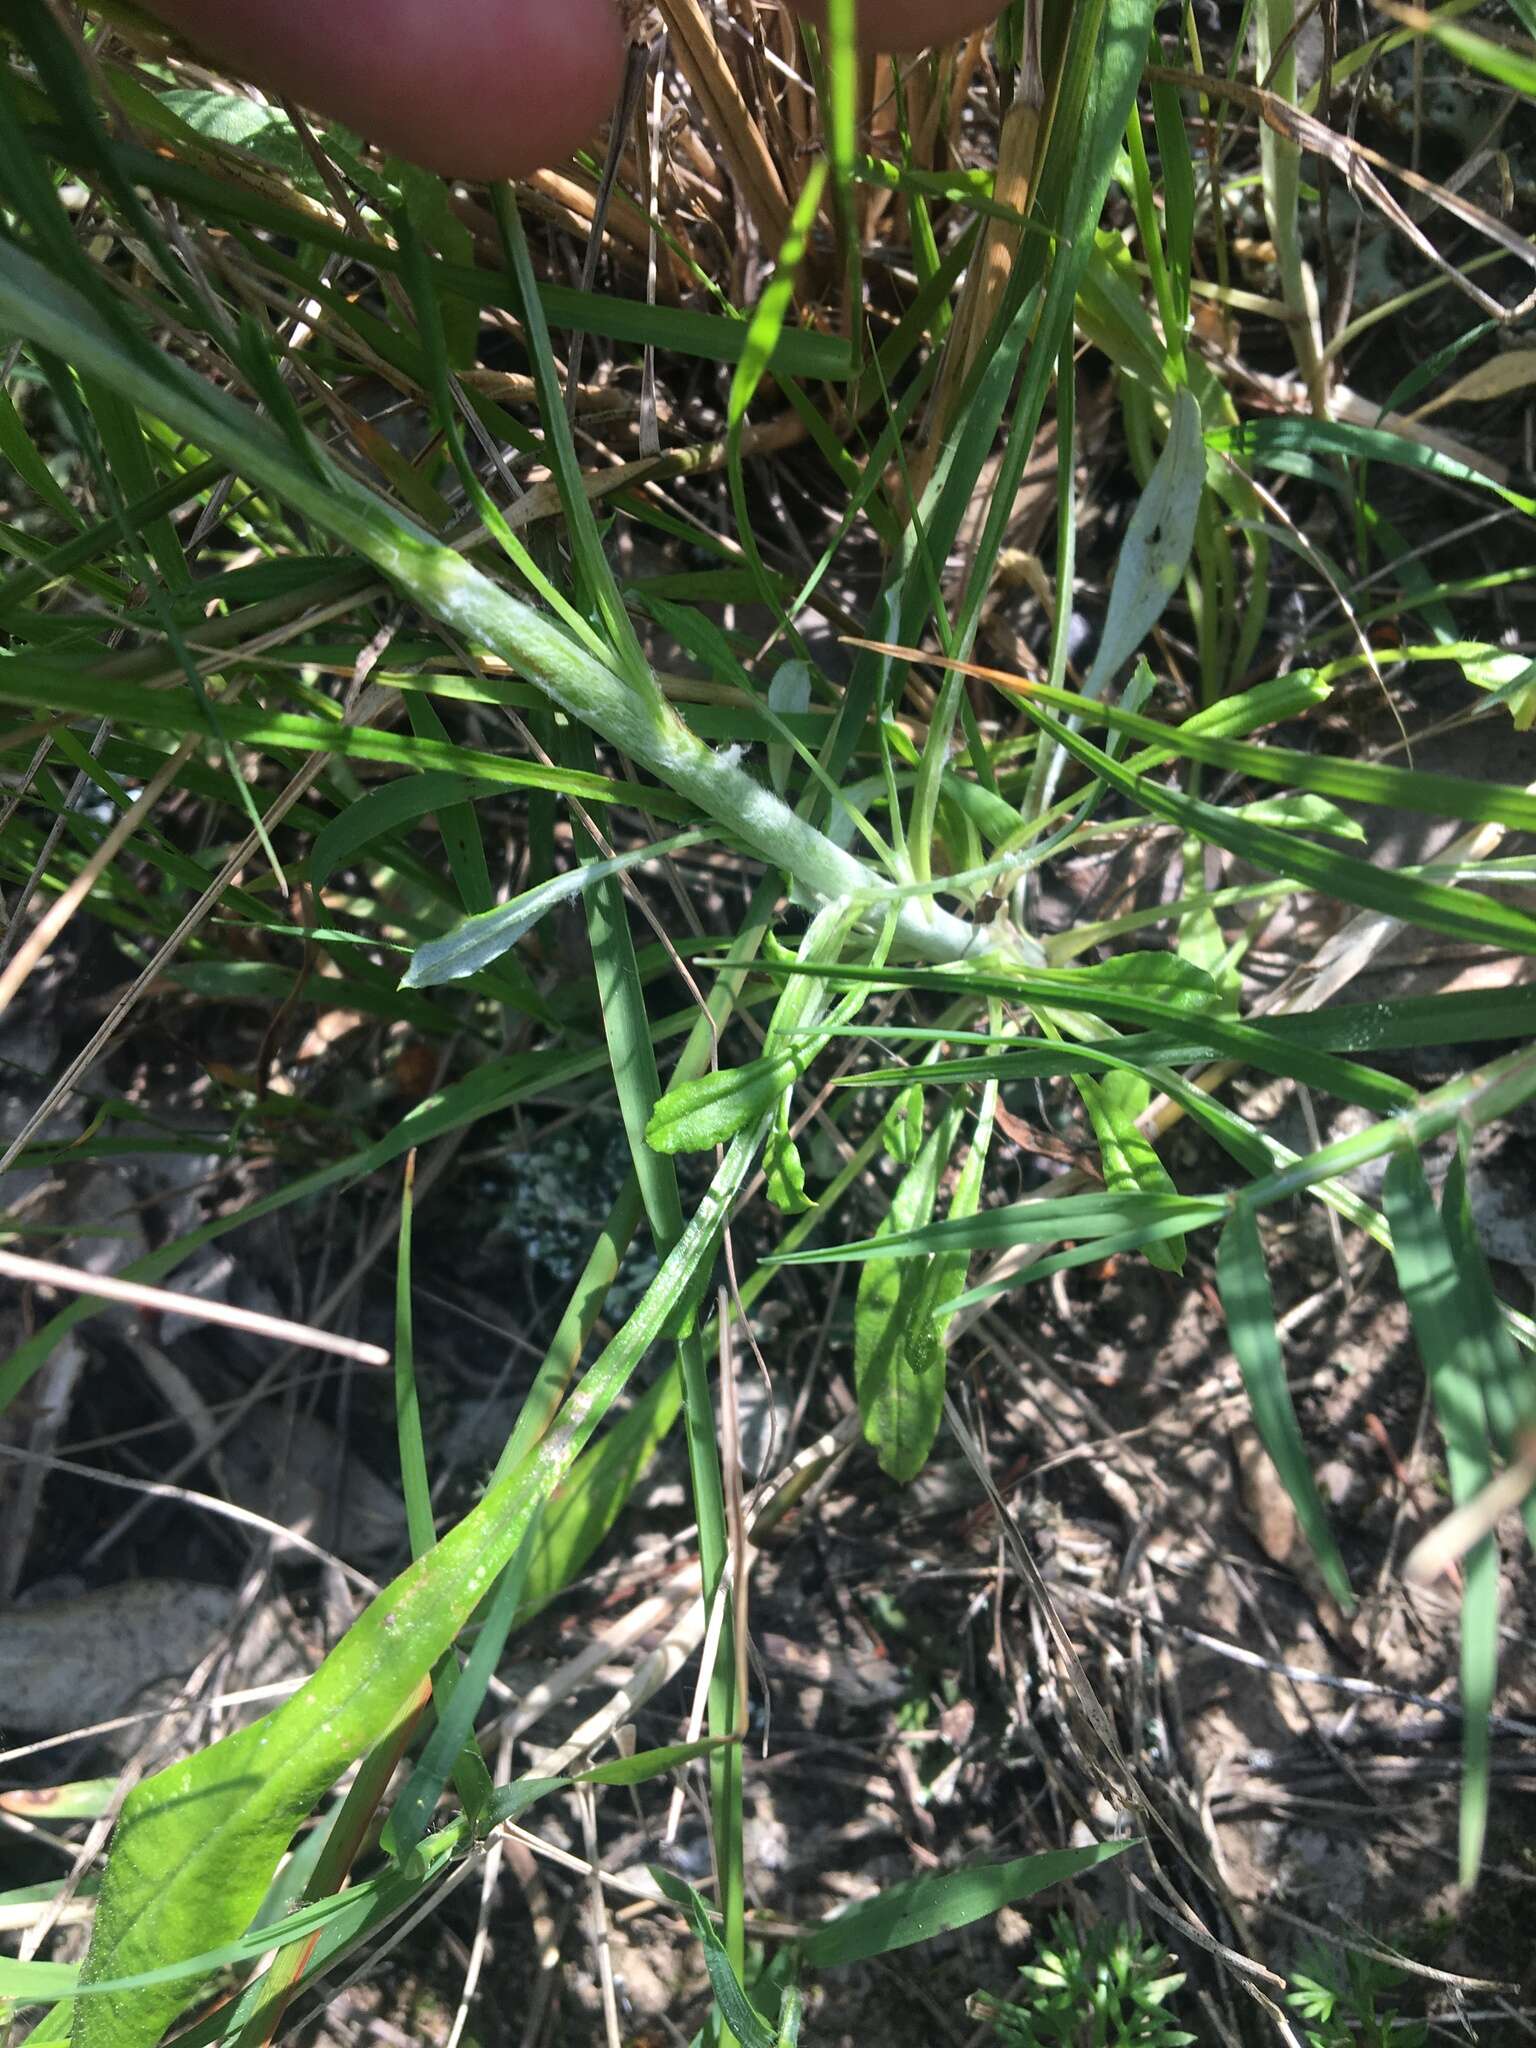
34, 306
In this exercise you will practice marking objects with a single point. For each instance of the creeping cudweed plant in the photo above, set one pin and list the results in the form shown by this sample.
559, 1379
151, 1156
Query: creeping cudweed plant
564, 623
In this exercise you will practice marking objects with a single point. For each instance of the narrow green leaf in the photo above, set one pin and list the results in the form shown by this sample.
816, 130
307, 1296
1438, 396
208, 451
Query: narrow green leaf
1040, 1222
1156, 548
380, 813
897, 1367
712, 1109
749, 2026
597, 581
1507, 1374
908, 1913
1178, 985
1303, 813
1442, 1301
1464, 914
584, 1509
1512, 68
646, 1764
1364, 782
17, 450
481, 941
680, 330
1243, 1278
926, 1355
784, 1167
35, 1983
412, 1812
766, 326
1274, 441
901, 1128
1130, 1159
457, 825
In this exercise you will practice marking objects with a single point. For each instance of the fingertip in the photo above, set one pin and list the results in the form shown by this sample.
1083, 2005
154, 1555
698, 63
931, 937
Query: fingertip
470, 88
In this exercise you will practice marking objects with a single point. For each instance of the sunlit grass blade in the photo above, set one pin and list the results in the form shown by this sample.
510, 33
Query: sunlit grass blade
1444, 1308
1048, 1221
1242, 1274
1462, 914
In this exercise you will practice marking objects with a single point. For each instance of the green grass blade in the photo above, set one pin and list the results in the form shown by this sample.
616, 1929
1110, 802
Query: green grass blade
1048, 1221
1442, 1301
458, 1703
1129, 1159
740, 2015
453, 590
1364, 782
379, 813
1461, 914
457, 825
1286, 443
1507, 1374
1243, 1279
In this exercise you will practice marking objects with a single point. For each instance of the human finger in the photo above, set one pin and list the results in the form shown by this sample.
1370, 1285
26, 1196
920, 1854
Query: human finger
472, 88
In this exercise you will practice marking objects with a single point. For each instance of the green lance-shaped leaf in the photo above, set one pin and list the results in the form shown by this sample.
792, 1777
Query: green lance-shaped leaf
196, 1846
900, 1392
1152, 560
749, 2026
1162, 977
339, 1920
1243, 1279
901, 1128
458, 1699
586, 1505
1129, 1159
1303, 813
1048, 1220
908, 1913
1442, 1300
924, 1356
1462, 913
784, 1167
480, 941
712, 1109
381, 813
1507, 1372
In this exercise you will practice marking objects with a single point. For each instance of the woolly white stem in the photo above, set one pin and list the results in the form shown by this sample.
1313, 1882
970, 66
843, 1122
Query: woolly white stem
639, 723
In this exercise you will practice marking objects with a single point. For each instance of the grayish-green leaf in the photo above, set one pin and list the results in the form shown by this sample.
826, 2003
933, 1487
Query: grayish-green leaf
480, 941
